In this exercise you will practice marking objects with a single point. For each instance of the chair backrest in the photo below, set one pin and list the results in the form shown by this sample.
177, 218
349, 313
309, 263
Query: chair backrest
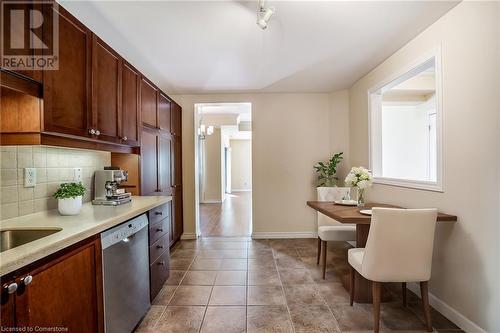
400, 244
330, 194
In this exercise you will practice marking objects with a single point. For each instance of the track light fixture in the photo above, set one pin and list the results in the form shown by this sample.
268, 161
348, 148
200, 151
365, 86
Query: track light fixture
264, 14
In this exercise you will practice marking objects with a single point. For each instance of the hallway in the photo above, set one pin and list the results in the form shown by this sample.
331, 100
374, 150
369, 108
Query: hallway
231, 218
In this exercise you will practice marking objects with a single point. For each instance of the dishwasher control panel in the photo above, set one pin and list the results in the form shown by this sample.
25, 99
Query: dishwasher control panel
123, 231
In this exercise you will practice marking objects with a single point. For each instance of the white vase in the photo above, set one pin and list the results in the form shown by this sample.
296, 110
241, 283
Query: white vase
70, 206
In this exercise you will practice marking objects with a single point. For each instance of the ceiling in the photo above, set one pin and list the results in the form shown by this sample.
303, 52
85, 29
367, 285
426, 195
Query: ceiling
244, 110
216, 46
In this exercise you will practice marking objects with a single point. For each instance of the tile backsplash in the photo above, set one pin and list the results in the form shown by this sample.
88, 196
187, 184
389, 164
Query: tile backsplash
54, 165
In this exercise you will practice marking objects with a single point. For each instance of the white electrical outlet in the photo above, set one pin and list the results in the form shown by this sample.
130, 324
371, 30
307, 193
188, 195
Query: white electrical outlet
77, 174
29, 177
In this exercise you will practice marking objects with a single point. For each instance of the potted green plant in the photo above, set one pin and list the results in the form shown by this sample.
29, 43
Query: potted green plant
327, 178
69, 198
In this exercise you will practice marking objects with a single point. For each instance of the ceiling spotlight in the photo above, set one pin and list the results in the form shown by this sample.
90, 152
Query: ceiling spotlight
264, 14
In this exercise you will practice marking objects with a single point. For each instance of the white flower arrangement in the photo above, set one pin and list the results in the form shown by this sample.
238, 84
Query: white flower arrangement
359, 177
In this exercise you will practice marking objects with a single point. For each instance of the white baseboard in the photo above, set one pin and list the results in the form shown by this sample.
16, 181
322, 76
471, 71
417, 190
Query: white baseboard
453, 315
211, 201
241, 190
278, 235
188, 236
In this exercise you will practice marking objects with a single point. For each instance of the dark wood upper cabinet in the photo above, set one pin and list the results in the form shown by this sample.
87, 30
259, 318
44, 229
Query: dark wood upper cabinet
149, 162
164, 105
164, 156
176, 117
67, 103
149, 103
130, 105
106, 91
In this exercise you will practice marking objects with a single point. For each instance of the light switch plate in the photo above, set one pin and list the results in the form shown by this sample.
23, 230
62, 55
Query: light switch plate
29, 177
77, 174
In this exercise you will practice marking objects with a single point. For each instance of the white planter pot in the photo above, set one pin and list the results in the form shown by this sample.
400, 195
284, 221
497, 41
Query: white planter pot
331, 193
70, 206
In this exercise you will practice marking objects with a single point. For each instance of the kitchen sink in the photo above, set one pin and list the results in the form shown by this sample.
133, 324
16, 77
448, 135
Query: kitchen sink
10, 238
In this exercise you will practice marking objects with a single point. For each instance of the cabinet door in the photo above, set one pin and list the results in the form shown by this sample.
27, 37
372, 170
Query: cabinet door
106, 91
130, 105
67, 106
149, 162
64, 292
164, 112
149, 103
7, 317
176, 117
164, 165
177, 215
176, 162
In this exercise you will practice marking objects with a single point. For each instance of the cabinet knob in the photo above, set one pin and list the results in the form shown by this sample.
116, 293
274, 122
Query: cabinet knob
92, 131
158, 213
161, 263
10, 288
159, 229
97, 132
27, 279
159, 246
124, 138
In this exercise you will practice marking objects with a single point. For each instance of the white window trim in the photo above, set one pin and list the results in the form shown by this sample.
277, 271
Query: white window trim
436, 186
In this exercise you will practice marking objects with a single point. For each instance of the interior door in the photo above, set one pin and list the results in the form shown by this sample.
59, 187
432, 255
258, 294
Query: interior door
106, 91
67, 105
149, 162
130, 105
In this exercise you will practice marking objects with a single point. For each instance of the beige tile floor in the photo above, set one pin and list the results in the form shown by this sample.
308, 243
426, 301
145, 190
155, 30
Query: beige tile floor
226, 285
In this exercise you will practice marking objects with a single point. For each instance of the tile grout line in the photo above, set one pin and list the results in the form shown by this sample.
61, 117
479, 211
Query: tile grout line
283, 291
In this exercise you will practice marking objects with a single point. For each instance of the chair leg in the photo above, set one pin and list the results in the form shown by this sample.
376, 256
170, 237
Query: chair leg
351, 286
403, 289
376, 293
424, 291
319, 250
324, 258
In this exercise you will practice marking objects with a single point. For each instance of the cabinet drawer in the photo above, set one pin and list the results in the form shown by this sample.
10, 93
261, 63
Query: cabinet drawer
159, 272
157, 249
157, 230
159, 213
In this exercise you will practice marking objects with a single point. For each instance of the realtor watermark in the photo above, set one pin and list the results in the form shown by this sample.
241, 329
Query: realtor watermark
29, 35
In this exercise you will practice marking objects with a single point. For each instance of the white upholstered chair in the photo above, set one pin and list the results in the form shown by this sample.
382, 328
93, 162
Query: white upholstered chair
328, 228
399, 249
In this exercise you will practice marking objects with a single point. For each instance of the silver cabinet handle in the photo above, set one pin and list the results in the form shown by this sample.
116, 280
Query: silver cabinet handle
97, 132
158, 213
161, 263
10, 288
159, 229
92, 131
124, 138
159, 246
27, 279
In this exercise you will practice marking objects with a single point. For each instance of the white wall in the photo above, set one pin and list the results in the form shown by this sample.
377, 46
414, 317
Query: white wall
466, 259
241, 165
212, 190
291, 132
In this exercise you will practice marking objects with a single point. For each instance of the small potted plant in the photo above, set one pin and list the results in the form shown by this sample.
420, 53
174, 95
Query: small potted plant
69, 198
360, 178
327, 175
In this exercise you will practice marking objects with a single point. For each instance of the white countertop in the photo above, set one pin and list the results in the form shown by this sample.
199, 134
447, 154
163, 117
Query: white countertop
91, 221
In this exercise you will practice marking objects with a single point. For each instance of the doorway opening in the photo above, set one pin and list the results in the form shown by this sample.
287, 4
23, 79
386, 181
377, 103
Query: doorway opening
223, 175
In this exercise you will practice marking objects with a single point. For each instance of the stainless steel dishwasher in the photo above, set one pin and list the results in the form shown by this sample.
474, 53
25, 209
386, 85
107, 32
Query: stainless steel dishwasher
126, 274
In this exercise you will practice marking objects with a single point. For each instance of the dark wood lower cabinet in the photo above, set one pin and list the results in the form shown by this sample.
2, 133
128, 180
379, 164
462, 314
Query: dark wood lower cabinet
159, 250
63, 291
177, 215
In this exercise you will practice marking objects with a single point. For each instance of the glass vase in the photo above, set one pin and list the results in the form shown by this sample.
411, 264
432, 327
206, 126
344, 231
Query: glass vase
361, 199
